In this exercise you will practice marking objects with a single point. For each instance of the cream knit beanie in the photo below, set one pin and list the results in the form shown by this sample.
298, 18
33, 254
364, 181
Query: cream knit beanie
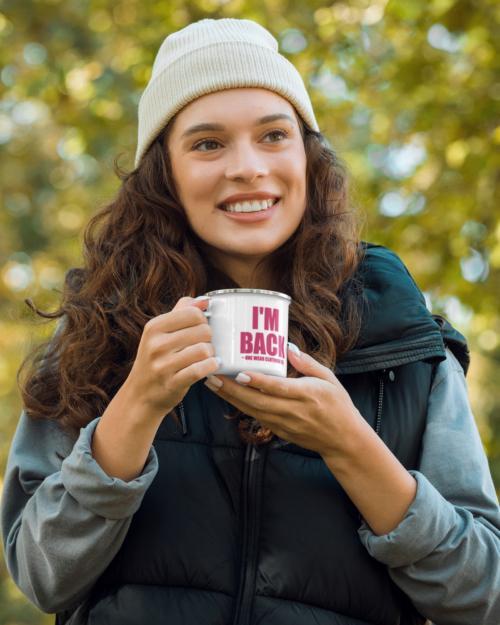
211, 55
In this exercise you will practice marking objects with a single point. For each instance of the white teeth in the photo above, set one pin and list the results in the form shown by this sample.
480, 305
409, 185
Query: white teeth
249, 207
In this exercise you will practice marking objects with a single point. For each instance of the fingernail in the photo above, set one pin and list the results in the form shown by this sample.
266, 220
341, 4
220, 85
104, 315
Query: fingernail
242, 378
218, 360
211, 386
294, 348
213, 382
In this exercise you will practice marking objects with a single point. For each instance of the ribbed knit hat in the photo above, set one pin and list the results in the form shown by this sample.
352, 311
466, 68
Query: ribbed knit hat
211, 55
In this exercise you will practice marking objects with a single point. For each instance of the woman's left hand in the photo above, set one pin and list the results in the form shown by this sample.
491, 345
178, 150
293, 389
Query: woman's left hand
314, 411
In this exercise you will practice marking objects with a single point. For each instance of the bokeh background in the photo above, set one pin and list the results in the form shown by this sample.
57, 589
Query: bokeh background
406, 91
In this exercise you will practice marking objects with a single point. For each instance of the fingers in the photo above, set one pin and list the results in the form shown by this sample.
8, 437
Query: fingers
249, 409
163, 343
288, 388
190, 354
184, 302
253, 396
181, 339
268, 412
178, 319
187, 376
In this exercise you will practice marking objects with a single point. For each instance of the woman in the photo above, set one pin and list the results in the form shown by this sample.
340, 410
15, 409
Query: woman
355, 497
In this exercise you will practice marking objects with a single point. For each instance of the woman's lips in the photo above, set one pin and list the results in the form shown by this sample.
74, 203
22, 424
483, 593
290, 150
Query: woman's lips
252, 217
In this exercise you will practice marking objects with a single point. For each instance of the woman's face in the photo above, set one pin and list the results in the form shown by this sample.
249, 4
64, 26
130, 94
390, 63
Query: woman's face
221, 145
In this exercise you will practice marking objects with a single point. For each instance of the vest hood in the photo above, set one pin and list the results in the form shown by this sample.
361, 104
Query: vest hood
397, 327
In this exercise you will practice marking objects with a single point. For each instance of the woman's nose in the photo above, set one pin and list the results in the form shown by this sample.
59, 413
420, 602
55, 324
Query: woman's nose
245, 163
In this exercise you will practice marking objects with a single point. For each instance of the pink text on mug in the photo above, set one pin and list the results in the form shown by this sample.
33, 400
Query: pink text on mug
249, 330
264, 342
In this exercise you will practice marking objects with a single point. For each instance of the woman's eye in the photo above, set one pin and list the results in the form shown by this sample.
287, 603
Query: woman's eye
205, 141
281, 133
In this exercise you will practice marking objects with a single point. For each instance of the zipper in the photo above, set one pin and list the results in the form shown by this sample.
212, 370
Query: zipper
378, 419
183, 419
391, 376
251, 505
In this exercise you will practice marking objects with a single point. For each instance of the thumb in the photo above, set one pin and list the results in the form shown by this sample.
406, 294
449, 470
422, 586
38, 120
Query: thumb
306, 364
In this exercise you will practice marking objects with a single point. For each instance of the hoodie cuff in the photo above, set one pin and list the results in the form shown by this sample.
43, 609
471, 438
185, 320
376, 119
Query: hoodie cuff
428, 521
93, 488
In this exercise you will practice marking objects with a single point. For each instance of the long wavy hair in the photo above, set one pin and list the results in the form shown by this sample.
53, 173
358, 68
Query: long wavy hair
72, 377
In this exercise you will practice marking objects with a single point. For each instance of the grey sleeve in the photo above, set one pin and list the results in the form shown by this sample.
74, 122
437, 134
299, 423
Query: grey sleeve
445, 553
63, 518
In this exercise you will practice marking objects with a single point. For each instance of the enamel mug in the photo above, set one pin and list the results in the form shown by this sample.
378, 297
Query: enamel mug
249, 330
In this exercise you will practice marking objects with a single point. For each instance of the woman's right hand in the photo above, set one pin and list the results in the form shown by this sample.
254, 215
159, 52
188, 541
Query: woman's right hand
174, 352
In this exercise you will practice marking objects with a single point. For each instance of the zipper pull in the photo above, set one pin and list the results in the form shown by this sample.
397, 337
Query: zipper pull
388, 375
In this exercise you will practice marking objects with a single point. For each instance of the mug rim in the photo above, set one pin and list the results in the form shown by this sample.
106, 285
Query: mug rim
260, 291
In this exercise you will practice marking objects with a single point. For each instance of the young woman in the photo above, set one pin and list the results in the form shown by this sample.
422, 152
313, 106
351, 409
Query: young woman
353, 492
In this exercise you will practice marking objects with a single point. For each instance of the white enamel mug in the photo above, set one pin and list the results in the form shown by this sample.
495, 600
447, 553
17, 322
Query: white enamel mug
249, 330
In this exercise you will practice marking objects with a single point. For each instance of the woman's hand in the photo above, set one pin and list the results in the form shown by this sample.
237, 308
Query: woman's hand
174, 352
317, 413
314, 411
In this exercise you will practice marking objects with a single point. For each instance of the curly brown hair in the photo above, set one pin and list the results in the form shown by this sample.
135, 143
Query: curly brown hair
73, 376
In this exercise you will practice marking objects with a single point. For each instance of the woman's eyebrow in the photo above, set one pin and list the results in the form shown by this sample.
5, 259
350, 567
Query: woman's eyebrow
259, 122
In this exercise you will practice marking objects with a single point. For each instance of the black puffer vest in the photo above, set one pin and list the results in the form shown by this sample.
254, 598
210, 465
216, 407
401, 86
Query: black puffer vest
230, 534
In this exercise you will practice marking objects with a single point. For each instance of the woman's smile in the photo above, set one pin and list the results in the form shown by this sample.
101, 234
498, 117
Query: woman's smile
253, 216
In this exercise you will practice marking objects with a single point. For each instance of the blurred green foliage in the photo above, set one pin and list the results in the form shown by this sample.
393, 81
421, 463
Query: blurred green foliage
406, 91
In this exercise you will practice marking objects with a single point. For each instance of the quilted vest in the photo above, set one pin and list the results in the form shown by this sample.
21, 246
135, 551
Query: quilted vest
235, 534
